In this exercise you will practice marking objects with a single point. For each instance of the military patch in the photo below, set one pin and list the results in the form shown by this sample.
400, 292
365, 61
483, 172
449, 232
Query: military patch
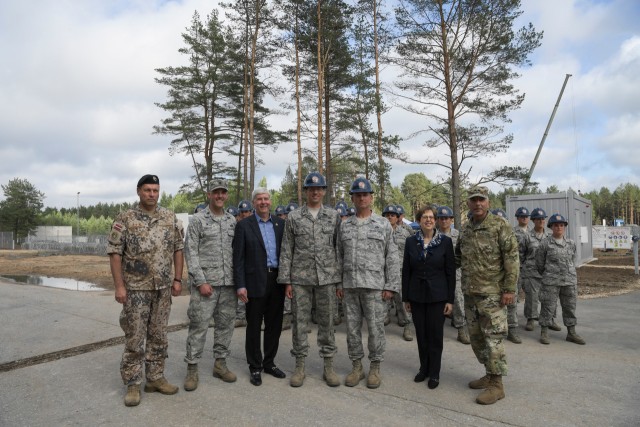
117, 227
115, 236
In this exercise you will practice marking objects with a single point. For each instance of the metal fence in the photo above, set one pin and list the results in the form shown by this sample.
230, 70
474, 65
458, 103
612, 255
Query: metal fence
6, 240
89, 245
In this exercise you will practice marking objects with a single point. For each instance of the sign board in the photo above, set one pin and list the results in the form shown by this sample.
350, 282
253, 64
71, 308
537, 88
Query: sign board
611, 237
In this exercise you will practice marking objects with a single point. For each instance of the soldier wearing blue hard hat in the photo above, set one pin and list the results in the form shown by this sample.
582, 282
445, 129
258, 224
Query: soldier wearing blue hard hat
401, 219
351, 211
555, 262
521, 231
281, 212
290, 208
245, 208
499, 212
360, 185
342, 211
444, 212
233, 211
315, 179
538, 213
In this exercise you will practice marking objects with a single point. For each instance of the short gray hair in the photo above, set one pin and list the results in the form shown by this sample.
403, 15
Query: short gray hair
260, 190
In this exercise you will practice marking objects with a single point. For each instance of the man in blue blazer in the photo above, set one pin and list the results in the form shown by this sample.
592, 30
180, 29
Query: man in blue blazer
256, 249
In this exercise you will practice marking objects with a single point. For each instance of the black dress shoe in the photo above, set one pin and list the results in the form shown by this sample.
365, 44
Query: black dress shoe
275, 371
433, 383
255, 378
420, 376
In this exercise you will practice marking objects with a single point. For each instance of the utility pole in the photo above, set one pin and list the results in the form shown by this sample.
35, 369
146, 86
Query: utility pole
78, 215
544, 137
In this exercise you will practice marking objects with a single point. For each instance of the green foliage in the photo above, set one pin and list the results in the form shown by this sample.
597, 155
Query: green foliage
21, 208
420, 191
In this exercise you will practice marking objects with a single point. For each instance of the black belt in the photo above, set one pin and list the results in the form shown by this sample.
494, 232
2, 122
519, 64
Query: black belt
272, 269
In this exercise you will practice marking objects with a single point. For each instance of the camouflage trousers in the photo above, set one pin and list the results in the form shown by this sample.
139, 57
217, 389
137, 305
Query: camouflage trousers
459, 319
367, 303
404, 317
301, 303
512, 309
241, 311
487, 324
287, 306
531, 286
221, 305
144, 316
549, 300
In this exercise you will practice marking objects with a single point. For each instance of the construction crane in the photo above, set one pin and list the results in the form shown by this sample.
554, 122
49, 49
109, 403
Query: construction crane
544, 137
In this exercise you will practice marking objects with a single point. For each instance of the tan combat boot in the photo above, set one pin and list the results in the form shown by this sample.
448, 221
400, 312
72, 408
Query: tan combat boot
374, 380
191, 381
221, 371
544, 335
513, 336
480, 383
407, 335
329, 375
493, 393
160, 385
132, 398
572, 336
356, 374
297, 379
463, 337
554, 326
530, 326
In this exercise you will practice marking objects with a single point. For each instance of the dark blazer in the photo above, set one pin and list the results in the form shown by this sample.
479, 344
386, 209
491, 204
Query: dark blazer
250, 255
432, 279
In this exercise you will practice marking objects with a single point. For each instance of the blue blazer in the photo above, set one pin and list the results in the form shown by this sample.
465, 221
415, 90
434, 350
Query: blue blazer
432, 279
250, 255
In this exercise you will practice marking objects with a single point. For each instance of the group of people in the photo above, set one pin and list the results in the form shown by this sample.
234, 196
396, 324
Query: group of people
314, 257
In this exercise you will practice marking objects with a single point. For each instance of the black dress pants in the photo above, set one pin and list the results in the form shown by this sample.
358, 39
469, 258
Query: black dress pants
428, 319
268, 308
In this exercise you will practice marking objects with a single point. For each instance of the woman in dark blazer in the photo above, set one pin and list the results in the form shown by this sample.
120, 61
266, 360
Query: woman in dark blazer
428, 288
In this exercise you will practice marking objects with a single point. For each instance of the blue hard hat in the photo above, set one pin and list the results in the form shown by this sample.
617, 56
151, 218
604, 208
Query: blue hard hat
351, 211
341, 211
556, 218
200, 207
522, 211
232, 210
400, 209
360, 185
499, 212
538, 213
280, 210
444, 212
342, 204
315, 179
245, 206
290, 208
390, 209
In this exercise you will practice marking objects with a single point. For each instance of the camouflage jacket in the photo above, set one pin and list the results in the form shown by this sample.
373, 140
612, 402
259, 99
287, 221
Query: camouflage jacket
454, 234
400, 235
367, 254
555, 262
308, 252
531, 244
146, 242
487, 252
521, 237
209, 249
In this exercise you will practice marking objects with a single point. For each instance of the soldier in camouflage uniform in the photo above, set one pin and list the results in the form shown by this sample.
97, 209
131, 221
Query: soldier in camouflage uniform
308, 267
487, 251
521, 231
555, 262
143, 244
209, 259
369, 261
459, 321
402, 223
400, 235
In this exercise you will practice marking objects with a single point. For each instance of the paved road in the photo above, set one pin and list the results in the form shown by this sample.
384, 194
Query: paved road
560, 384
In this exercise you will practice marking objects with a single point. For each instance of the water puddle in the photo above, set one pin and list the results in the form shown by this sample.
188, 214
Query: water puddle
53, 282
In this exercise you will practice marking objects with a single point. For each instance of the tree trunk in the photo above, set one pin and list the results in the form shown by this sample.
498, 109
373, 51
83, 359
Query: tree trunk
320, 87
298, 112
381, 165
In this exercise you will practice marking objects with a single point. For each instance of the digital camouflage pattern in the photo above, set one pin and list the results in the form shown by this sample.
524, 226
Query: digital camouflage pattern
325, 298
487, 324
209, 251
487, 253
146, 242
221, 305
365, 303
512, 309
459, 318
144, 316
367, 254
400, 235
555, 262
531, 277
308, 252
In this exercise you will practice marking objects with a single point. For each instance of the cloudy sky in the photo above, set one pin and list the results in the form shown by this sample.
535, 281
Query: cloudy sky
77, 97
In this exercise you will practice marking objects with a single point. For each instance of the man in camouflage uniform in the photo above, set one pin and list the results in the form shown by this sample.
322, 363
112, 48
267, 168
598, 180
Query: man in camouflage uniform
308, 266
143, 244
445, 218
369, 261
209, 255
245, 209
487, 251
400, 235
522, 232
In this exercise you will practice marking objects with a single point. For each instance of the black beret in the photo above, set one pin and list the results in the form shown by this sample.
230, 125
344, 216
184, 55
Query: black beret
148, 179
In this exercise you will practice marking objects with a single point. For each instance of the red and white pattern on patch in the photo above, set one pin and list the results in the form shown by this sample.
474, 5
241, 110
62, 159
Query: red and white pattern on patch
117, 226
